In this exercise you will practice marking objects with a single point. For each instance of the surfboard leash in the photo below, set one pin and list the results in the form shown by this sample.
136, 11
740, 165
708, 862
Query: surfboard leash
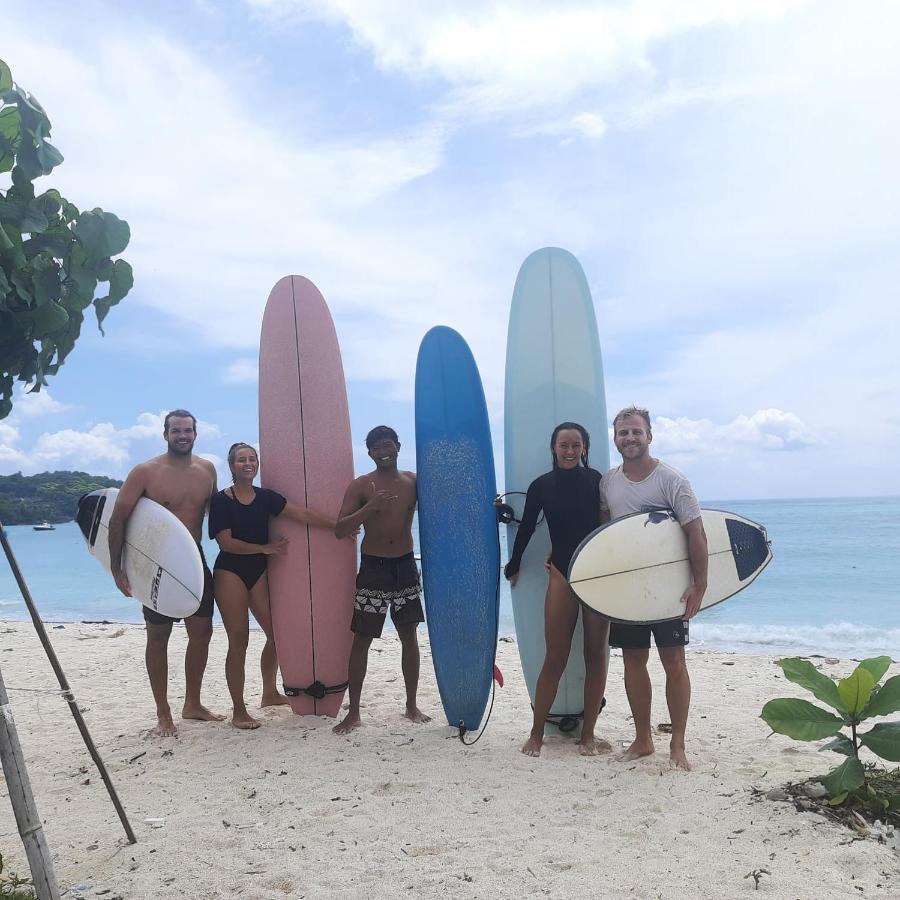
316, 690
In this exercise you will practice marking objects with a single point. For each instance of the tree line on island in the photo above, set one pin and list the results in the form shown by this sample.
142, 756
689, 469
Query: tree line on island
46, 497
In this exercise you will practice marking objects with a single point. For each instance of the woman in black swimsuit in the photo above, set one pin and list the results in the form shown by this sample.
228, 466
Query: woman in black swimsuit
239, 522
569, 496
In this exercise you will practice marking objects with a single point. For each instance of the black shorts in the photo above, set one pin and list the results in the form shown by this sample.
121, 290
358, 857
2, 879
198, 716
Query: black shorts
204, 611
386, 582
673, 633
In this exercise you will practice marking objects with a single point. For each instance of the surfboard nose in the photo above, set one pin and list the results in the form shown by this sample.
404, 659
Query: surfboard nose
90, 509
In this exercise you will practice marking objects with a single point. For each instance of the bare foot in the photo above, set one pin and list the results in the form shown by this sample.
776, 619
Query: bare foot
348, 724
638, 749
165, 727
414, 714
202, 713
678, 759
593, 747
275, 699
244, 721
532, 747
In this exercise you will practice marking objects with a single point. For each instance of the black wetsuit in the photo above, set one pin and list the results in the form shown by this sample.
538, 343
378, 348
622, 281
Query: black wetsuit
248, 522
570, 500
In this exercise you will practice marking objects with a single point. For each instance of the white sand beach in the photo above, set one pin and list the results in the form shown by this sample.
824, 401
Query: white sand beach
400, 810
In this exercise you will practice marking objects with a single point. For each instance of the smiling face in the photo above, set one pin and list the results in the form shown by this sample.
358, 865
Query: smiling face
244, 465
568, 448
180, 435
632, 438
384, 453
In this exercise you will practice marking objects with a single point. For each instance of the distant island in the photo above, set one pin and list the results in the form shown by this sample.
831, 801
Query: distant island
48, 497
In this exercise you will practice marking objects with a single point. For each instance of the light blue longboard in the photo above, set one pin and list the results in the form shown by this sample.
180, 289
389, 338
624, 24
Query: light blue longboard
554, 373
457, 524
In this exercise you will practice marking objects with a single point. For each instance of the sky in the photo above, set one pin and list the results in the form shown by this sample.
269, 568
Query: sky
725, 172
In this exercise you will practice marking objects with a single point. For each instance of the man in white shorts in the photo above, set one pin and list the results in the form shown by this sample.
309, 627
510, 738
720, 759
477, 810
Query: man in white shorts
639, 484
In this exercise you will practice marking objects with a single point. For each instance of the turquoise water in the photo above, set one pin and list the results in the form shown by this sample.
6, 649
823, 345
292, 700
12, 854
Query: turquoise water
832, 587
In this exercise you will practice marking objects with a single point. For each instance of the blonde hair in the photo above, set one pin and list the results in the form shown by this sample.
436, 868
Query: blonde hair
632, 411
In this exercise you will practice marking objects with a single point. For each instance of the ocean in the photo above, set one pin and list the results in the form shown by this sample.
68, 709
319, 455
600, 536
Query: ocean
833, 587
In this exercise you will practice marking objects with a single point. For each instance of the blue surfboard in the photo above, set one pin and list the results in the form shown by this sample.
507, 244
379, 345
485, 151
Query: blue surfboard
457, 524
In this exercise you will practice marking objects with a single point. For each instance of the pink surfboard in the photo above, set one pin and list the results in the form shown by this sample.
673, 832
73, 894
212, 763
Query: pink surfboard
306, 455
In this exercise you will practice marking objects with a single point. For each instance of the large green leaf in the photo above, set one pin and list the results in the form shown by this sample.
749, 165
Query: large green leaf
885, 700
10, 122
102, 233
839, 744
848, 776
34, 221
804, 673
856, 689
800, 719
121, 281
6, 81
877, 666
49, 318
884, 739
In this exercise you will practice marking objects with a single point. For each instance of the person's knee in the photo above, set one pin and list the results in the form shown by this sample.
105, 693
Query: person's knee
238, 639
408, 635
635, 660
199, 630
673, 661
158, 636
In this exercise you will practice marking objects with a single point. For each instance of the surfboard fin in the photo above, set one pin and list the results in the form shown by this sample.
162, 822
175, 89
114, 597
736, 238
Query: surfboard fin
498, 675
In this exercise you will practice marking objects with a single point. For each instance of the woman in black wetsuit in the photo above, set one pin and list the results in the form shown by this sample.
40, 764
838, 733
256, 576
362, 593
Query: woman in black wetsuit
239, 522
569, 496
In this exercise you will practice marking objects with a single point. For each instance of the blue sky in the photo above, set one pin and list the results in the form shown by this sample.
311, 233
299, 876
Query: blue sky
725, 172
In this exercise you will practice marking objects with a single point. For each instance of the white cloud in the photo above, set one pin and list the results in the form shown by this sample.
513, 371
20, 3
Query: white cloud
241, 371
101, 447
32, 404
510, 55
766, 429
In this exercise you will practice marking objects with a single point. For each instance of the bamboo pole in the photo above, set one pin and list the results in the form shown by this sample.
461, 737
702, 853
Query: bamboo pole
64, 684
30, 828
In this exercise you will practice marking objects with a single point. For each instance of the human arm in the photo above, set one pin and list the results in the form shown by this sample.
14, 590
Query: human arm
698, 557
243, 548
129, 494
533, 506
308, 516
359, 505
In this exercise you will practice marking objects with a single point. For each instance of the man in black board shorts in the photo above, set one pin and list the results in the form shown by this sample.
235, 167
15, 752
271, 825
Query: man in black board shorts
183, 484
383, 503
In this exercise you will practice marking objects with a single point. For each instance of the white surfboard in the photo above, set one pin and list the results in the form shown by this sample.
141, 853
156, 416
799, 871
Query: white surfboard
160, 556
635, 570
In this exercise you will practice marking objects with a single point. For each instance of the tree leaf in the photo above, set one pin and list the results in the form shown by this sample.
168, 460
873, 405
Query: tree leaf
856, 689
102, 233
804, 673
839, 744
49, 318
6, 81
877, 666
848, 776
121, 281
800, 719
885, 700
884, 740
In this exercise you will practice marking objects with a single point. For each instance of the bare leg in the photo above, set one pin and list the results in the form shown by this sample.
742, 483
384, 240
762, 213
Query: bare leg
640, 694
678, 697
359, 659
596, 660
409, 643
199, 632
157, 660
233, 599
268, 661
560, 618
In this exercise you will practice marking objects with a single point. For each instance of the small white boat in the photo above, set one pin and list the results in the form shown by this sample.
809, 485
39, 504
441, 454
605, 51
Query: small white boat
44, 526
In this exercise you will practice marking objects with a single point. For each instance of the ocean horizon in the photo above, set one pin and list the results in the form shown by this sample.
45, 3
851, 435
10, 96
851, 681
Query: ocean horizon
830, 590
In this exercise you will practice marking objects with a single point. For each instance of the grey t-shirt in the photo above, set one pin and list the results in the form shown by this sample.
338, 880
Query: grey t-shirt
663, 487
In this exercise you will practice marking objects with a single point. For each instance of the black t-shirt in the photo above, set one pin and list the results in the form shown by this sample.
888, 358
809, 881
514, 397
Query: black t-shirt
570, 500
248, 522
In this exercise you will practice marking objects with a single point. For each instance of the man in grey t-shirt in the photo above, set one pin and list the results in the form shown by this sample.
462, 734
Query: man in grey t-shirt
642, 482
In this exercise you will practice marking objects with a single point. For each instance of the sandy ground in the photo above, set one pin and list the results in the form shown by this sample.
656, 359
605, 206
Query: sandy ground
403, 810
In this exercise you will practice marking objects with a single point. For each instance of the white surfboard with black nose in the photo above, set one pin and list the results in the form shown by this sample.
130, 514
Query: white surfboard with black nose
635, 570
160, 557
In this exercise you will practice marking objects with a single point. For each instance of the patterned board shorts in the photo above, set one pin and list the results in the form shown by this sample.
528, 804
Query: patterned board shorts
386, 582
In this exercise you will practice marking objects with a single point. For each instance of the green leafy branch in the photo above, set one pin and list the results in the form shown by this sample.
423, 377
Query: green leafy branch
855, 698
53, 257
